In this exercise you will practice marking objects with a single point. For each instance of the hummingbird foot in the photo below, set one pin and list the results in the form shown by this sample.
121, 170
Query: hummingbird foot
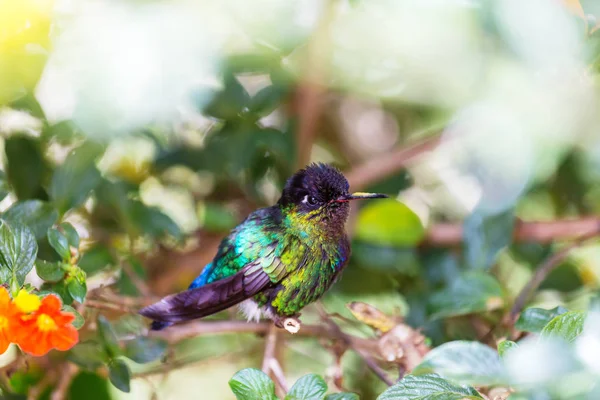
290, 324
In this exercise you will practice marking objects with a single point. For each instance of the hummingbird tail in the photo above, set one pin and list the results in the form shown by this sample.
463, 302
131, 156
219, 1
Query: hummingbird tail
159, 325
208, 299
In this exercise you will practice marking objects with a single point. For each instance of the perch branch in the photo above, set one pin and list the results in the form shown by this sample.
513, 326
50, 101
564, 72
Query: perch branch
270, 364
64, 381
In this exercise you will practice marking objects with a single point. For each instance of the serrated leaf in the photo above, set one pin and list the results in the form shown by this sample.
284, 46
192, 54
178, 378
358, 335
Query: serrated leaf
505, 346
342, 396
389, 222
71, 234
428, 387
485, 235
79, 320
38, 215
89, 355
108, 337
308, 387
60, 243
119, 375
465, 362
471, 292
18, 250
49, 271
77, 289
144, 349
566, 326
251, 383
73, 180
535, 319
26, 167
266, 100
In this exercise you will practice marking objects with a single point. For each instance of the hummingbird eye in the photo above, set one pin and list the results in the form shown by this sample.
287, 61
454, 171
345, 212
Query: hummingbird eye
310, 200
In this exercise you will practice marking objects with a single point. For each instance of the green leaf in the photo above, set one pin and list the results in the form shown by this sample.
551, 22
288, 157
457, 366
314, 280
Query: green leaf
342, 396
18, 250
79, 320
60, 243
4, 187
119, 375
73, 180
389, 222
535, 319
466, 362
308, 387
71, 234
267, 100
484, 236
216, 218
428, 387
49, 271
472, 292
566, 326
506, 345
230, 102
151, 221
26, 167
89, 355
144, 349
77, 289
108, 337
251, 383
38, 215
96, 259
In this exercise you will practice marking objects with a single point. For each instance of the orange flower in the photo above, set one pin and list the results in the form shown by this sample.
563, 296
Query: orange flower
6, 316
45, 328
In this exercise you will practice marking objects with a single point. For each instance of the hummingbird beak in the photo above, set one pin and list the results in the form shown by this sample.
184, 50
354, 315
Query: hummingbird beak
360, 195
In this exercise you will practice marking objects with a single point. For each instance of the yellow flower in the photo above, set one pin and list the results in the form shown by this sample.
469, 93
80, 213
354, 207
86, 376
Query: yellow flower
27, 302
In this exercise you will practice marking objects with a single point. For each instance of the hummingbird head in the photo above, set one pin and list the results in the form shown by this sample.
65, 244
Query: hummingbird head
320, 194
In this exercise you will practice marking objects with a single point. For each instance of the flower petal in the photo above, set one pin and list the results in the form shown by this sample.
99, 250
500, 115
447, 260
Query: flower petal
64, 338
50, 305
4, 298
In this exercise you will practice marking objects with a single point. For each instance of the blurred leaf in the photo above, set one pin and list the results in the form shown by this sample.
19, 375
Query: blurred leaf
506, 345
89, 355
119, 375
144, 349
385, 258
29, 104
428, 387
79, 320
64, 132
26, 167
18, 250
308, 387
566, 326
96, 259
440, 266
255, 63
73, 180
399, 181
4, 187
151, 221
342, 396
470, 293
267, 100
59, 288
389, 222
484, 236
251, 383
216, 218
462, 361
49, 271
60, 243
38, 215
107, 337
70, 233
89, 386
77, 289
230, 102
535, 319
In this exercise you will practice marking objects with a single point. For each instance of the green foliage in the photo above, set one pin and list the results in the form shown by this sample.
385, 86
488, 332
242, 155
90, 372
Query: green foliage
18, 251
505, 346
309, 387
484, 236
119, 374
567, 326
428, 387
535, 319
143, 350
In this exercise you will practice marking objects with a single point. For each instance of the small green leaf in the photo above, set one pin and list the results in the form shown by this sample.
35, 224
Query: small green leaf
473, 292
389, 222
119, 375
151, 221
60, 243
535, 319
506, 345
49, 271
89, 355
230, 102
267, 100
108, 337
466, 362
73, 180
484, 236
70, 233
38, 215
18, 250
251, 383
77, 289
96, 259
26, 167
342, 396
428, 387
144, 349
566, 326
79, 320
308, 387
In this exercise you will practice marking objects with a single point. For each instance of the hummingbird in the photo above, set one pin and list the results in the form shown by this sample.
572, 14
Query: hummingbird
278, 260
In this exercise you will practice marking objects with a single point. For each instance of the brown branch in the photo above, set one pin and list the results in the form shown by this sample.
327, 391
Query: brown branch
270, 365
64, 381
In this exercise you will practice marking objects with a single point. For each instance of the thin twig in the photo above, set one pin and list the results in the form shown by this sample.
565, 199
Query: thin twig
270, 365
278, 374
64, 381
109, 306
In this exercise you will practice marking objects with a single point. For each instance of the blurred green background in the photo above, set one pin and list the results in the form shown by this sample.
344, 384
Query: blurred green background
155, 126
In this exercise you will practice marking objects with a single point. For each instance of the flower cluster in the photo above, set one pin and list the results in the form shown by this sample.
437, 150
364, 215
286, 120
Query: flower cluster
36, 325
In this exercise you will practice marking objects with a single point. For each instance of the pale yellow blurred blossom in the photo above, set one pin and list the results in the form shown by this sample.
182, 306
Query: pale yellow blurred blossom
128, 158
